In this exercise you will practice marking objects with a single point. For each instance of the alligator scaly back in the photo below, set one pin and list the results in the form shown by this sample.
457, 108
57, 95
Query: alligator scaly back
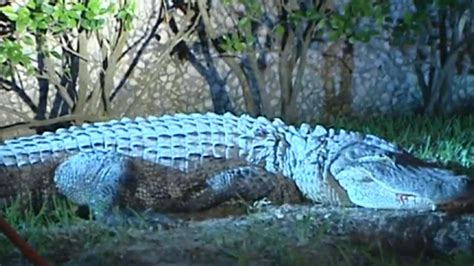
169, 140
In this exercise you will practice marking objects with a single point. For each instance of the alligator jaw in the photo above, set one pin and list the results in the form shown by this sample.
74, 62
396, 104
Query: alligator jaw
399, 181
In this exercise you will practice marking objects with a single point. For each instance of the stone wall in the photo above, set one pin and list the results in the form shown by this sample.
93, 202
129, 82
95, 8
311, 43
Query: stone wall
368, 79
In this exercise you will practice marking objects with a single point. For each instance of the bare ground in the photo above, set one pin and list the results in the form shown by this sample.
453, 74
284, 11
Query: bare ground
281, 235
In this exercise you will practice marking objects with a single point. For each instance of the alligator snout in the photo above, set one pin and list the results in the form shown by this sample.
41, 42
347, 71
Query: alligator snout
375, 177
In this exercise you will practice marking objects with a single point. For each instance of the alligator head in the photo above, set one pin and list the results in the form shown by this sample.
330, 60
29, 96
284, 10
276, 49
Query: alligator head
367, 171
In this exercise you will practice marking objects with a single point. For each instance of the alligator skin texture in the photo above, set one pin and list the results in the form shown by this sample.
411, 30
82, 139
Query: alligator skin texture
114, 179
332, 167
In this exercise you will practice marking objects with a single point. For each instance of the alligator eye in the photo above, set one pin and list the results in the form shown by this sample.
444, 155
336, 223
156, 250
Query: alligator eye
404, 198
366, 179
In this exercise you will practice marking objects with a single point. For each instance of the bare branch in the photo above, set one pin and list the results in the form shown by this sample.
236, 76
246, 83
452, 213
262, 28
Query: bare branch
15, 112
84, 79
8, 129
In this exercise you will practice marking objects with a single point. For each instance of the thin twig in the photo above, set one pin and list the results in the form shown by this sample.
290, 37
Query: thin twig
30, 254
42, 123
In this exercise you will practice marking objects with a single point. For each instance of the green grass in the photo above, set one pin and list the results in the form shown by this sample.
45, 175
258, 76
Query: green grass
448, 141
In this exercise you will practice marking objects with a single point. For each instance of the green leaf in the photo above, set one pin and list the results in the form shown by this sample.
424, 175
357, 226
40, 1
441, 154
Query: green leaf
334, 35
279, 30
71, 23
9, 13
111, 8
57, 13
94, 6
408, 18
226, 43
28, 40
3, 58
57, 29
56, 54
244, 23
237, 44
336, 22
22, 24
5, 70
42, 25
40, 16
30, 70
31, 4
99, 23
313, 15
90, 15
47, 9
78, 7
23, 14
249, 40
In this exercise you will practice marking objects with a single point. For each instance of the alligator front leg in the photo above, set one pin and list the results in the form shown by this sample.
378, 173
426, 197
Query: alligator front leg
377, 174
93, 179
102, 180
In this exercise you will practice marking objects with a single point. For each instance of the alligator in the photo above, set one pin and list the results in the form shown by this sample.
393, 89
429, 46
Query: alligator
195, 161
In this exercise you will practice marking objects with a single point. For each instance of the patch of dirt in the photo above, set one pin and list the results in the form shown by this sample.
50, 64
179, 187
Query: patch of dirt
300, 235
